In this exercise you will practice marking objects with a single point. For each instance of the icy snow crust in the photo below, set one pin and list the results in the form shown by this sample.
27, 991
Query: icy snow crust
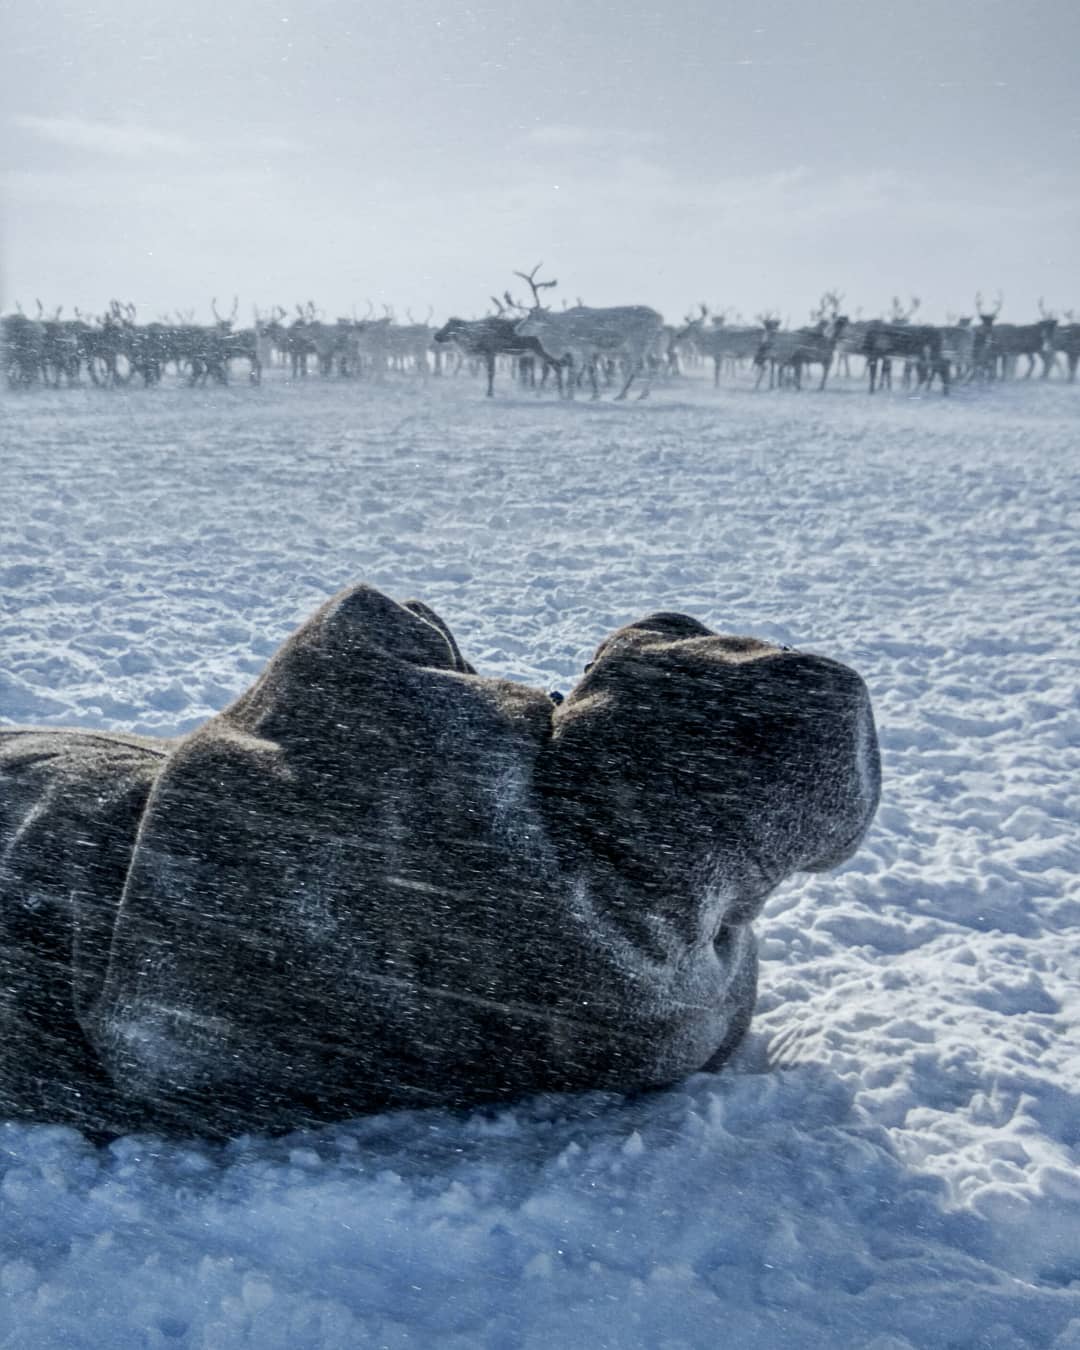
891, 1158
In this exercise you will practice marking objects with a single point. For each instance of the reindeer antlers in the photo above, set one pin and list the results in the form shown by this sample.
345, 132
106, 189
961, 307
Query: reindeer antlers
536, 286
507, 302
988, 314
227, 323
900, 314
828, 307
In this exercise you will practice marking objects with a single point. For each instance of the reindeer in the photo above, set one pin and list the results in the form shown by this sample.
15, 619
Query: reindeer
901, 315
580, 336
819, 345
791, 350
921, 345
1067, 341
984, 354
300, 340
850, 343
720, 342
109, 345
273, 336
209, 350
61, 355
260, 341
497, 335
150, 348
765, 358
1033, 340
23, 343
408, 345
225, 343
958, 345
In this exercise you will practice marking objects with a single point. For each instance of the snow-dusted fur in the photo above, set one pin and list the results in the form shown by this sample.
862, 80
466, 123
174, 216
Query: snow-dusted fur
379, 879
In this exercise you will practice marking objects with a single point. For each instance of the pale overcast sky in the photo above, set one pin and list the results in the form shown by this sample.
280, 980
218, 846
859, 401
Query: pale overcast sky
414, 153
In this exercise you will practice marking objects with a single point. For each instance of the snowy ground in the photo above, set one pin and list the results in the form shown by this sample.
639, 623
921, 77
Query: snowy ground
892, 1159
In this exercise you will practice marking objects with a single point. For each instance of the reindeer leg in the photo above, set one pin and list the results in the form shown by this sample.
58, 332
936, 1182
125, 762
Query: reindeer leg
647, 389
489, 361
629, 381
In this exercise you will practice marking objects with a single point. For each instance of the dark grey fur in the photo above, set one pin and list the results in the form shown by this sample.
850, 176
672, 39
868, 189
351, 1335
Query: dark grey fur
378, 879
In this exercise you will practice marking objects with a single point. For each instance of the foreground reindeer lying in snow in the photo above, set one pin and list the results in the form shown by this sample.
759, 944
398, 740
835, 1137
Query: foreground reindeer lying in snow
379, 879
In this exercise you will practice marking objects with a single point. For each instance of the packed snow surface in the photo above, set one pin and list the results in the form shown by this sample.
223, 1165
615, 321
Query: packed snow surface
891, 1160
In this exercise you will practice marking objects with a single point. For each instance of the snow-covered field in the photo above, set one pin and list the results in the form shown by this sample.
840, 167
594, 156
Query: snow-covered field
893, 1158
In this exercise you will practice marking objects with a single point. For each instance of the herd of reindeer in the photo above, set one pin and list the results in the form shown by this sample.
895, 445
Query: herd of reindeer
537, 343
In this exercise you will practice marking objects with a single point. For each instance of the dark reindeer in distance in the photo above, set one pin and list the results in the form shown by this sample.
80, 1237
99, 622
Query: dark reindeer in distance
764, 359
788, 352
958, 345
493, 336
1067, 341
1034, 340
984, 355
300, 340
818, 344
920, 346
107, 345
239, 344
23, 342
61, 351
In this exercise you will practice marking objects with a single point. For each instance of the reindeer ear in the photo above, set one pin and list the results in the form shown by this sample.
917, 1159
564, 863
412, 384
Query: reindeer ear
351, 652
425, 612
364, 618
